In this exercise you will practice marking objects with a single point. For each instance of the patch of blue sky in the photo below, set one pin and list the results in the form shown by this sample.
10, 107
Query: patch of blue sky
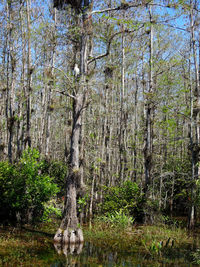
174, 18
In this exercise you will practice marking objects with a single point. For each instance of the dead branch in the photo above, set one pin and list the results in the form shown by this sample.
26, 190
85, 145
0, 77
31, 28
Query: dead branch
109, 44
65, 93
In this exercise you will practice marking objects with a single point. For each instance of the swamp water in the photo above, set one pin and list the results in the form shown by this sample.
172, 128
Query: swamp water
31, 249
92, 255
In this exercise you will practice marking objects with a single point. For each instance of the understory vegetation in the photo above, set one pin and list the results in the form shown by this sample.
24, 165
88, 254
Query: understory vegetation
32, 190
25, 190
124, 221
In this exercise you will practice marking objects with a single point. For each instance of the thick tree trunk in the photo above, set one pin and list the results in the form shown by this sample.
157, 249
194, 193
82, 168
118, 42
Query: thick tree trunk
21, 104
8, 100
135, 131
194, 128
122, 122
70, 231
29, 79
11, 79
148, 113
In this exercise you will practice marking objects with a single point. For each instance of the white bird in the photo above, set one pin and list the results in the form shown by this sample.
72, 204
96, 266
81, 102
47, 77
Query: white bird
76, 70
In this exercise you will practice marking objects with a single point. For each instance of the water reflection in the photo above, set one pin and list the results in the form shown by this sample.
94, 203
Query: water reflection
73, 249
68, 250
88, 255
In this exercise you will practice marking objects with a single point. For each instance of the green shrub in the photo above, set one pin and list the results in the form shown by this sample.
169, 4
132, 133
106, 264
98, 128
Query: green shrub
196, 256
7, 198
126, 198
58, 171
24, 189
50, 210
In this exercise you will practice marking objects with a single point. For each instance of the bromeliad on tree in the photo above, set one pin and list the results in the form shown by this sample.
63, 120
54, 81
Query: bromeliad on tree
61, 4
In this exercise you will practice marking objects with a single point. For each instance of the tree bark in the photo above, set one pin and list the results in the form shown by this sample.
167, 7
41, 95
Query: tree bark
149, 113
29, 79
194, 128
70, 231
135, 131
21, 104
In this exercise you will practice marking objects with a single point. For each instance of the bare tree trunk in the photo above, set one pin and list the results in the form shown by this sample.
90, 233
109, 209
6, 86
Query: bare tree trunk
29, 78
21, 107
105, 130
148, 114
70, 231
8, 104
92, 198
122, 122
47, 149
135, 132
11, 77
194, 118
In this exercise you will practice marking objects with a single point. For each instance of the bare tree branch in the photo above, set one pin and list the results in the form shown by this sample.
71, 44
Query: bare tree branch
65, 93
172, 26
109, 44
123, 6
66, 76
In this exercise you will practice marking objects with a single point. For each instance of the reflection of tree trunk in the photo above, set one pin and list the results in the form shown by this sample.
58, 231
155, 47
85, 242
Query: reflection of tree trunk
73, 249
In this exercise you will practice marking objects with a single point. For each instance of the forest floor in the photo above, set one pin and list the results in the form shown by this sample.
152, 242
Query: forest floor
34, 246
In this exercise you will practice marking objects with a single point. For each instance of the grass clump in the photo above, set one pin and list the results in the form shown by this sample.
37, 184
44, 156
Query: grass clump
149, 240
116, 219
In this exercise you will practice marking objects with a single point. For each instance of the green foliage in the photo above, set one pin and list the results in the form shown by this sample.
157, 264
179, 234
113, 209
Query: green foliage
126, 198
7, 199
117, 219
24, 189
157, 247
49, 211
58, 171
171, 221
154, 248
82, 202
196, 256
175, 181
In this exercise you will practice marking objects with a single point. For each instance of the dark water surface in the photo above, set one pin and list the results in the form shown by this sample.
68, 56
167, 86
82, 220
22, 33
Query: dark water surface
22, 248
90, 255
